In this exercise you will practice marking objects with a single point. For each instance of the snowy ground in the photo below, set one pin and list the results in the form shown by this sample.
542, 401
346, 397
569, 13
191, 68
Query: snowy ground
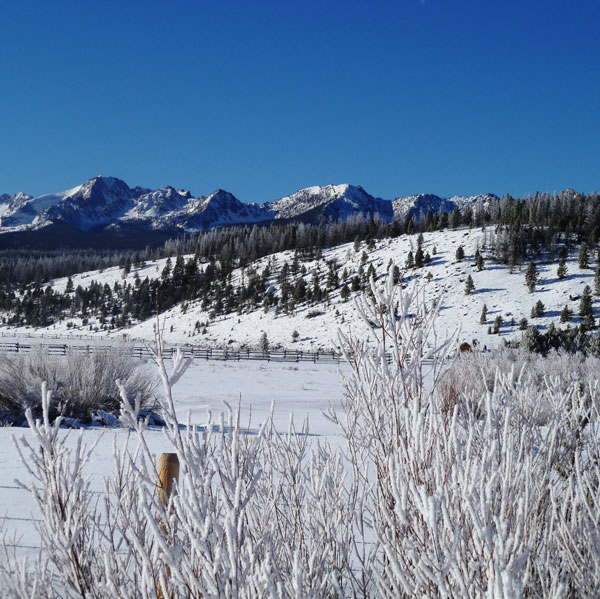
303, 390
505, 294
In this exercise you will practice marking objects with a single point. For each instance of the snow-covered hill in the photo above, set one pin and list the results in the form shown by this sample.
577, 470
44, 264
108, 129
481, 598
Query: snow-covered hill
109, 203
504, 293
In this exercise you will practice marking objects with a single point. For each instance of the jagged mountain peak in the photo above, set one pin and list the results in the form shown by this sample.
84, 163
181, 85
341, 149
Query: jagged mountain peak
108, 202
321, 200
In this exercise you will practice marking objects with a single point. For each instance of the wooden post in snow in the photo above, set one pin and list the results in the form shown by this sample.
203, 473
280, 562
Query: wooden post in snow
168, 471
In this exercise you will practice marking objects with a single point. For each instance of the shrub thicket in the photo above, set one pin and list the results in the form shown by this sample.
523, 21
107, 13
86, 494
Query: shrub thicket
81, 383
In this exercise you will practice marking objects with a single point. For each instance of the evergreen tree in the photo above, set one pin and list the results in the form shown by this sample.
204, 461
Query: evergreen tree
264, 342
332, 276
371, 274
523, 324
566, 314
455, 218
460, 253
585, 305
316, 287
531, 340
583, 256
563, 252
531, 277
469, 285
594, 346
538, 309
166, 272
597, 281
498, 322
478, 260
419, 257
483, 317
561, 271
345, 292
410, 260
588, 323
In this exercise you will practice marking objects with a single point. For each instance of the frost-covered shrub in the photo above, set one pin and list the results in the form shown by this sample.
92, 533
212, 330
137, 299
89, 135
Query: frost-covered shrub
475, 373
81, 383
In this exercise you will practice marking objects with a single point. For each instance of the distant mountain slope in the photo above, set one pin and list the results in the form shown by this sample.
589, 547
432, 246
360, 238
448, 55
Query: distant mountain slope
499, 287
109, 204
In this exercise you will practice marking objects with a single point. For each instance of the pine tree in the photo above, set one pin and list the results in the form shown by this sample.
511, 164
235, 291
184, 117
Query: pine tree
478, 260
469, 285
538, 309
594, 347
410, 260
419, 257
332, 276
483, 317
460, 253
583, 256
588, 323
561, 271
345, 292
371, 274
295, 336
523, 324
597, 281
455, 218
166, 271
264, 342
498, 322
563, 252
531, 277
566, 314
585, 305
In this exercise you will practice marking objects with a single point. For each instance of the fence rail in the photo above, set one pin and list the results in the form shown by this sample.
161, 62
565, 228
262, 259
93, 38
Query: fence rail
194, 352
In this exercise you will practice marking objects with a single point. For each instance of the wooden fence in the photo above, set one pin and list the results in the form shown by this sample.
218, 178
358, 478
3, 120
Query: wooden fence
199, 353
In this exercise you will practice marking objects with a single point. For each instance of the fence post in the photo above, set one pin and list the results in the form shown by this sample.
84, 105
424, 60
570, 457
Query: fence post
168, 471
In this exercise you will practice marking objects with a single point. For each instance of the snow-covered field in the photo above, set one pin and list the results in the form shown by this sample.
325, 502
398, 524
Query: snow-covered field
301, 390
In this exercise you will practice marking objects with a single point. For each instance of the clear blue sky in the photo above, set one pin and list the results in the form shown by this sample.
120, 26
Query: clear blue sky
262, 98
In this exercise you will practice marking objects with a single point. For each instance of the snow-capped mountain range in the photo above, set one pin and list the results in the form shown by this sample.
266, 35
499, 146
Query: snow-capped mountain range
108, 203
